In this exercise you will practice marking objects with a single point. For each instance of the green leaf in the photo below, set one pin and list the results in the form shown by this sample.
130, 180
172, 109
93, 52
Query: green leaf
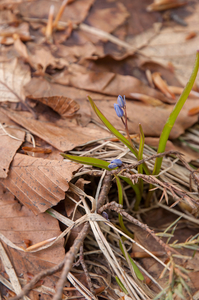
141, 148
95, 162
116, 132
173, 116
120, 198
136, 190
111, 127
135, 268
121, 285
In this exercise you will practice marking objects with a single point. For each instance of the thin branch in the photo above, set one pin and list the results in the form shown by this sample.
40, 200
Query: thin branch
122, 212
66, 263
69, 258
104, 191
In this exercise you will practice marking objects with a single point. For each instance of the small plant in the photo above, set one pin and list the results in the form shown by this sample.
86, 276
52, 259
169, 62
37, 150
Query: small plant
175, 286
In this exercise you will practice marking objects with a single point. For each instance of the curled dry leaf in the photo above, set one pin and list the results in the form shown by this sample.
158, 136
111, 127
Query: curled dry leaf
193, 111
64, 106
178, 91
161, 85
39, 183
147, 99
13, 76
159, 5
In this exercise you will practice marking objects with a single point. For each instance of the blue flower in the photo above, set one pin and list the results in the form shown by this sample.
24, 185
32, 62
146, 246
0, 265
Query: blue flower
117, 161
121, 102
112, 166
119, 110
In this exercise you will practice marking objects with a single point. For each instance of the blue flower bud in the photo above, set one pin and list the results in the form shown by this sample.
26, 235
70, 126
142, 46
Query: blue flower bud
112, 166
121, 102
105, 215
117, 161
119, 110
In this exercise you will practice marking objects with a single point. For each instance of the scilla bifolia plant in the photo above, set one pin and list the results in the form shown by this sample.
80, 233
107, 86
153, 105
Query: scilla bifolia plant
120, 109
121, 112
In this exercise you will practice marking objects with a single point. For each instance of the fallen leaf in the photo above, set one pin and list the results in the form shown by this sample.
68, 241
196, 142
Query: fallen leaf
159, 5
147, 99
76, 11
193, 111
13, 76
108, 19
19, 224
152, 118
22, 31
42, 58
105, 82
39, 183
7, 17
11, 140
64, 106
37, 150
64, 135
161, 85
170, 45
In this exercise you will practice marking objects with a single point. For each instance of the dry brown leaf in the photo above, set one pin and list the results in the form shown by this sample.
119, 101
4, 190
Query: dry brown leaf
170, 45
19, 224
105, 82
13, 76
162, 86
108, 19
78, 53
151, 118
159, 5
22, 31
64, 135
147, 99
9, 144
193, 111
42, 58
39, 183
76, 11
64, 106
7, 17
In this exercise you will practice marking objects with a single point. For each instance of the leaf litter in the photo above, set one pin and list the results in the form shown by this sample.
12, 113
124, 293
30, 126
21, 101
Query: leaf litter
71, 63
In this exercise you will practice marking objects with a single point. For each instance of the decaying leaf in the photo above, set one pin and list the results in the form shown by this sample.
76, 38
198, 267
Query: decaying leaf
39, 183
64, 106
13, 76
11, 140
193, 111
159, 5
63, 135
105, 82
18, 224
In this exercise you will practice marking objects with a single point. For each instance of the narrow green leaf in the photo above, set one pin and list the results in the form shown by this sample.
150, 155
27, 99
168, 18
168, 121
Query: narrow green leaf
140, 167
111, 127
141, 149
120, 199
95, 162
136, 190
121, 285
174, 114
135, 268
115, 132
